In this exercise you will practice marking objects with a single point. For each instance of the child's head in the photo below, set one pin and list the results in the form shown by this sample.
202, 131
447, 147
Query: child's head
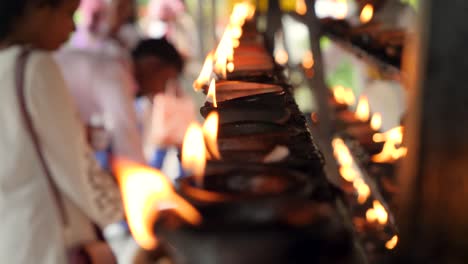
105, 17
156, 63
43, 24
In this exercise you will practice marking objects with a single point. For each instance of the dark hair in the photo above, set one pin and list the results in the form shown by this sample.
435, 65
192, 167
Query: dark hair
160, 48
12, 10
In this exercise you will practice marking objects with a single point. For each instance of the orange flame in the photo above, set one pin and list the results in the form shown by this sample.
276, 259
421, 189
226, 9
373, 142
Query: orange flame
344, 95
308, 60
230, 67
392, 243
145, 192
301, 7
211, 95
362, 110
281, 57
205, 74
349, 170
362, 189
210, 131
367, 13
377, 213
376, 121
224, 53
241, 12
392, 149
194, 152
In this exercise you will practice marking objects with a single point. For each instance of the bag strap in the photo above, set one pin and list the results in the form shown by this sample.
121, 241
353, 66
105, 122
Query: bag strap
20, 90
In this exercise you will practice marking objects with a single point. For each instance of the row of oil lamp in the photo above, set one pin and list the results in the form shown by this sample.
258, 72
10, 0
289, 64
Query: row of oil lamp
256, 191
359, 132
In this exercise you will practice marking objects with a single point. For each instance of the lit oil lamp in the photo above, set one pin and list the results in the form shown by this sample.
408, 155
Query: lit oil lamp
273, 231
342, 98
364, 134
261, 205
360, 116
229, 90
146, 192
383, 165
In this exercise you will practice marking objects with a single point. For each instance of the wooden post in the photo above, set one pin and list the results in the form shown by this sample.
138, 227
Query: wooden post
274, 15
433, 215
214, 20
317, 83
201, 28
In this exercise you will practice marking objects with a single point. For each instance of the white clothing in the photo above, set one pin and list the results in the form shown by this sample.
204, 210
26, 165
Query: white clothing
100, 79
29, 222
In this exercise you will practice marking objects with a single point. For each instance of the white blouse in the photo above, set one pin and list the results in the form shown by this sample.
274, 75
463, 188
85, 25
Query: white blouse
29, 221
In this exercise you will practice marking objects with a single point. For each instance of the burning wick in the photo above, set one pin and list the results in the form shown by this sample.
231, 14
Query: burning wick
145, 193
367, 13
349, 170
205, 73
230, 66
392, 243
376, 121
210, 132
377, 213
194, 152
211, 96
362, 110
392, 149
344, 95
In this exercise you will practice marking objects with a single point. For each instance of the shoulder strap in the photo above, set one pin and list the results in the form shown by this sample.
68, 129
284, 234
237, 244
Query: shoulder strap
20, 90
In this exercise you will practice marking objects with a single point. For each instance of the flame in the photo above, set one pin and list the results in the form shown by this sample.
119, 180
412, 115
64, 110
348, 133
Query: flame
205, 74
194, 152
362, 110
362, 189
224, 54
308, 60
377, 213
211, 95
376, 121
367, 13
392, 243
349, 170
210, 131
301, 7
145, 192
349, 98
392, 149
341, 9
349, 174
344, 95
281, 57
230, 67
241, 12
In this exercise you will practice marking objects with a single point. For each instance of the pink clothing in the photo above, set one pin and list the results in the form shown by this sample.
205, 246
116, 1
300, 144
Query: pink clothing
99, 75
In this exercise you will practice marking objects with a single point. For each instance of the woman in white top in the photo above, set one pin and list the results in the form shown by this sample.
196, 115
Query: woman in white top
30, 224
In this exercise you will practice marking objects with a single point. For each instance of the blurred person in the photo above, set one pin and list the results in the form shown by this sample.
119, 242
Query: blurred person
47, 172
163, 109
98, 69
170, 20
